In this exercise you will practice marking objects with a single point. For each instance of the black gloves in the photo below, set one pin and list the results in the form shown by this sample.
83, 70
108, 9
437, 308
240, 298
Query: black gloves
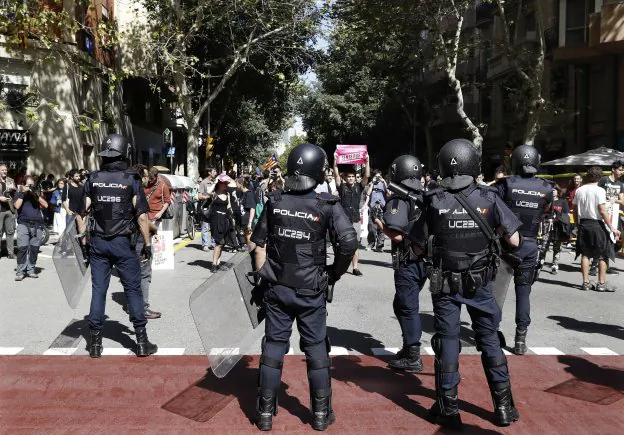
146, 253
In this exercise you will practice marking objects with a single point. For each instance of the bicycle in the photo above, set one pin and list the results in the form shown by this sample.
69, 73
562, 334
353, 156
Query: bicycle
191, 219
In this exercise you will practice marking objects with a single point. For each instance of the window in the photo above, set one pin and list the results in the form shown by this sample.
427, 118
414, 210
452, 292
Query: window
577, 18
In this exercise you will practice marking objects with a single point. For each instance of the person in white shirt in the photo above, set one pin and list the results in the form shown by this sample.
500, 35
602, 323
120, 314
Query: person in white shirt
595, 226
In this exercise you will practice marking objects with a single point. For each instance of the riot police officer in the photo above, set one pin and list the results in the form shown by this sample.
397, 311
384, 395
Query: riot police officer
529, 198
463, 221
402, 212
290, 234
116, 200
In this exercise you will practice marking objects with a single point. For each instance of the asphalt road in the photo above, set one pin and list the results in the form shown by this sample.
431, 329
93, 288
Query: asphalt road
35, 318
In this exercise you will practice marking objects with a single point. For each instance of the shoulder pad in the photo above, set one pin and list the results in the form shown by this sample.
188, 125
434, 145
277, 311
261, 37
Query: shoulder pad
94, 175
549, 183
488, 192
327, 197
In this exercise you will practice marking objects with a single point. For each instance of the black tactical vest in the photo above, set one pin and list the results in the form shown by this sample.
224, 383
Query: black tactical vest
458, 243
111, 195
527, 198
296, 240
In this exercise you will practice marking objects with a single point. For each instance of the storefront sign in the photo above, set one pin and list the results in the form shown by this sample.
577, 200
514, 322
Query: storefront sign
14, 140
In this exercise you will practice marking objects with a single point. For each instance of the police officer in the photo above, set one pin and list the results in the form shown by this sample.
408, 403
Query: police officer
290, 234
117, 200
402, 212
462, 250
529, 198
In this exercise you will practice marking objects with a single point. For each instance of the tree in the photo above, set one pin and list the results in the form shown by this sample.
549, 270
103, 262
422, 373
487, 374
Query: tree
294, 141
528, 63
201, 45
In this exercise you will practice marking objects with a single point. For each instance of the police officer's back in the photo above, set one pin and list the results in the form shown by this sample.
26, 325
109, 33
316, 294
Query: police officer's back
401, 221
291, 233
462, 249
117, 201
529, 198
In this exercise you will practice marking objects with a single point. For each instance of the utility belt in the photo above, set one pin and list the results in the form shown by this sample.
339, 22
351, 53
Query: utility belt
402, 255
465, 282
463, 273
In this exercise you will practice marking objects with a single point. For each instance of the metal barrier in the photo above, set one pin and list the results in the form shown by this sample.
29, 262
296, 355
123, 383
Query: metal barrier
178, 184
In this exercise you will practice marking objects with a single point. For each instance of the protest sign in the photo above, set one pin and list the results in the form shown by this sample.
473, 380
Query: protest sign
162, 248
351, 154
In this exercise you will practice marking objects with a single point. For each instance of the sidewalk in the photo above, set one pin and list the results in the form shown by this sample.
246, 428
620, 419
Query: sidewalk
563, 394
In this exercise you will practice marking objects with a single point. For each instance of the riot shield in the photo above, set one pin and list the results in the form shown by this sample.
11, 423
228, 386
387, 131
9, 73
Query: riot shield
70, 265
501, 283
227, 315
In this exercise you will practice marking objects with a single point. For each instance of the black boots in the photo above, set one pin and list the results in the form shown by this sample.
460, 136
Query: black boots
445, 411
95, 348
322, 412
407, 359
144, 347
266, 408
520, 348
506, 412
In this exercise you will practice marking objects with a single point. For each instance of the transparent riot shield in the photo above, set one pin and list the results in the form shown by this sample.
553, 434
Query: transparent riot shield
501, 283
70, 264
227, 315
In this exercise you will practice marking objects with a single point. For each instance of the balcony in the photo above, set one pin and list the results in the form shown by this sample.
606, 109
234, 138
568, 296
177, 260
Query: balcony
607, 28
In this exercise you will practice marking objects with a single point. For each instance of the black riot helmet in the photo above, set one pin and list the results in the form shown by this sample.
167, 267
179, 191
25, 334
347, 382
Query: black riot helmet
459, 163
406, 170
525, 160
306, 167
115, 146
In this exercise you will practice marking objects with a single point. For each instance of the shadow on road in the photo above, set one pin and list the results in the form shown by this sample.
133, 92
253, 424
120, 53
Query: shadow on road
353, 340
563, 284
208, 396
399, 388
113, 330
614, 331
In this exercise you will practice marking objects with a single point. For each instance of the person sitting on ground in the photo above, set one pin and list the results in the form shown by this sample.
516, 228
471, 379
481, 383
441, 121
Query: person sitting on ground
593, 241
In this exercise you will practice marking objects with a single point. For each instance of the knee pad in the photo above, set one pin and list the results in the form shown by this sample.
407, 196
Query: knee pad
490, 363
269, 361
437, 339
524, 276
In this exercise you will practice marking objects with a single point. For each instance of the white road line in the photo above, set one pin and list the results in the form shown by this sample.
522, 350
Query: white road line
170, 351
116, 351
546, 351
429, 350
335, 350
10, 350
291, 351
224, 351
598, 351
384, 351
44, 255
506, 352
60, 351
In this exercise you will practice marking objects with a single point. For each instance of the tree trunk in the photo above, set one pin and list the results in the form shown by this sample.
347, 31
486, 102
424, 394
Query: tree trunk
429, 137
455, 84
192, 162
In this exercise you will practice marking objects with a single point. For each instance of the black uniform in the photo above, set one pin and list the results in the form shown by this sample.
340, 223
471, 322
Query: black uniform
293, 226
111, 191
529, 198
463, 266
405, 217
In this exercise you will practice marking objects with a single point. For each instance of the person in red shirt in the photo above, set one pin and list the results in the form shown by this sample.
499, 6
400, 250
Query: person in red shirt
158, 196
577, 182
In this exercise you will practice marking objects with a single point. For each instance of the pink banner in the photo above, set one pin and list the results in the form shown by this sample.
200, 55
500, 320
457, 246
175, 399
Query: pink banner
351, 154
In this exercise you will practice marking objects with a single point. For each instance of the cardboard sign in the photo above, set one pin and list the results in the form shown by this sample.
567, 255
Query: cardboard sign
351, 154
162, 250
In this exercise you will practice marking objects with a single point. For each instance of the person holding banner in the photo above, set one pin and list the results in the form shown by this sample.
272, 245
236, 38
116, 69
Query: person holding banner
350, 194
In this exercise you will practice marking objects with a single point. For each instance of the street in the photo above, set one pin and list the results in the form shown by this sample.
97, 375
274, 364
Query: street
572, 333
36, 320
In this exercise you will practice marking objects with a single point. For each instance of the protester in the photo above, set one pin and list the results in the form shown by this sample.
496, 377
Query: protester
29, 205
561, 227
56, 201
206, 187
7, 210
158, 197
374, 203
594, 222
219, 220
576, 182
350, 193
248, 208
